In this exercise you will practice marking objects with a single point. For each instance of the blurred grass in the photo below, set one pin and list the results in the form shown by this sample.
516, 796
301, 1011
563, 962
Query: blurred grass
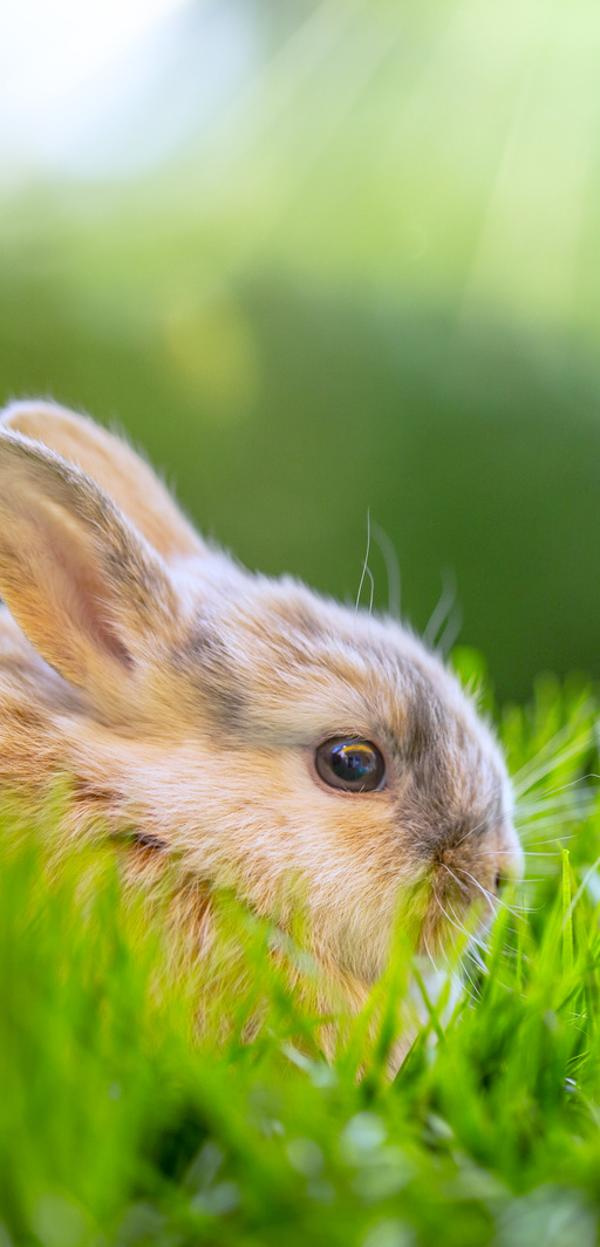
283, 413
341, 256
118, 1128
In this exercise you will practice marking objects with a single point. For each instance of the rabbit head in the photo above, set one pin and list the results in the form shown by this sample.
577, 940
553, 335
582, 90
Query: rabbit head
262, 736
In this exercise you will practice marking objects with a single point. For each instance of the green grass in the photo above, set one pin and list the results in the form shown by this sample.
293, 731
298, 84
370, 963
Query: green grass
118, 1126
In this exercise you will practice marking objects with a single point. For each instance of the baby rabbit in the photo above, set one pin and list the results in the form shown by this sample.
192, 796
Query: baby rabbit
251, 729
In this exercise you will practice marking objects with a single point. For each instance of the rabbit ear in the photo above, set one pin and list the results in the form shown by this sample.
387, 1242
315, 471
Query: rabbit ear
127, 479
90, 594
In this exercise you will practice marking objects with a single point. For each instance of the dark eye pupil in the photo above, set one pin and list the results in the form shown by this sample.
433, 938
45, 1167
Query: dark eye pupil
351, 762
354, 765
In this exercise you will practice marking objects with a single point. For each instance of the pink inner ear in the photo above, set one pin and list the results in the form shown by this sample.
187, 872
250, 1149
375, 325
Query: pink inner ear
78, 591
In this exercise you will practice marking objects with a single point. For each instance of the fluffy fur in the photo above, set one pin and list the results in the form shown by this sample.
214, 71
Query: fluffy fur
184, 698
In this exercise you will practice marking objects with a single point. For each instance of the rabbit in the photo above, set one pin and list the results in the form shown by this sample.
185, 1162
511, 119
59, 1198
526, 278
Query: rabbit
246, 726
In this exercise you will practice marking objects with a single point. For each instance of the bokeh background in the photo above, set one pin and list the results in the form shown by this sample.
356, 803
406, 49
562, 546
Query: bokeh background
324, 258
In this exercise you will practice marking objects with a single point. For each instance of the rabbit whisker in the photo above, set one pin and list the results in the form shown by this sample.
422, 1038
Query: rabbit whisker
392, 568
552, 744
577, 746
366, 570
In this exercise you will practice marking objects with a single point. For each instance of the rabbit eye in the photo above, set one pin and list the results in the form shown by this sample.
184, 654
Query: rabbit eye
353, 765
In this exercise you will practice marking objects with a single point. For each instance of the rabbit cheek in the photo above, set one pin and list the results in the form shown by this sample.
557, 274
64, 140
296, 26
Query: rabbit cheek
357, 891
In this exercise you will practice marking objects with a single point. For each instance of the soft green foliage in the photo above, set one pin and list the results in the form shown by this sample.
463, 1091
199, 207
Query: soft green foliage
362, 276
119, 1126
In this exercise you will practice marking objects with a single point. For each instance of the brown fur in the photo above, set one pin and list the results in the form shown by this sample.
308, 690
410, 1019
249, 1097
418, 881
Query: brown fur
185, 697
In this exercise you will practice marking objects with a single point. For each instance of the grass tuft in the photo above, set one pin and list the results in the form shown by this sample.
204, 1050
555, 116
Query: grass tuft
122, 1126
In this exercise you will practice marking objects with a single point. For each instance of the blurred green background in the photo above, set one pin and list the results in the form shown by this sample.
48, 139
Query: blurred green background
321, 258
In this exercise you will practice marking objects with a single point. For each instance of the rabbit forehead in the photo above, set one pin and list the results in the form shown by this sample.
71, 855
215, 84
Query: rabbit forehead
277, 664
